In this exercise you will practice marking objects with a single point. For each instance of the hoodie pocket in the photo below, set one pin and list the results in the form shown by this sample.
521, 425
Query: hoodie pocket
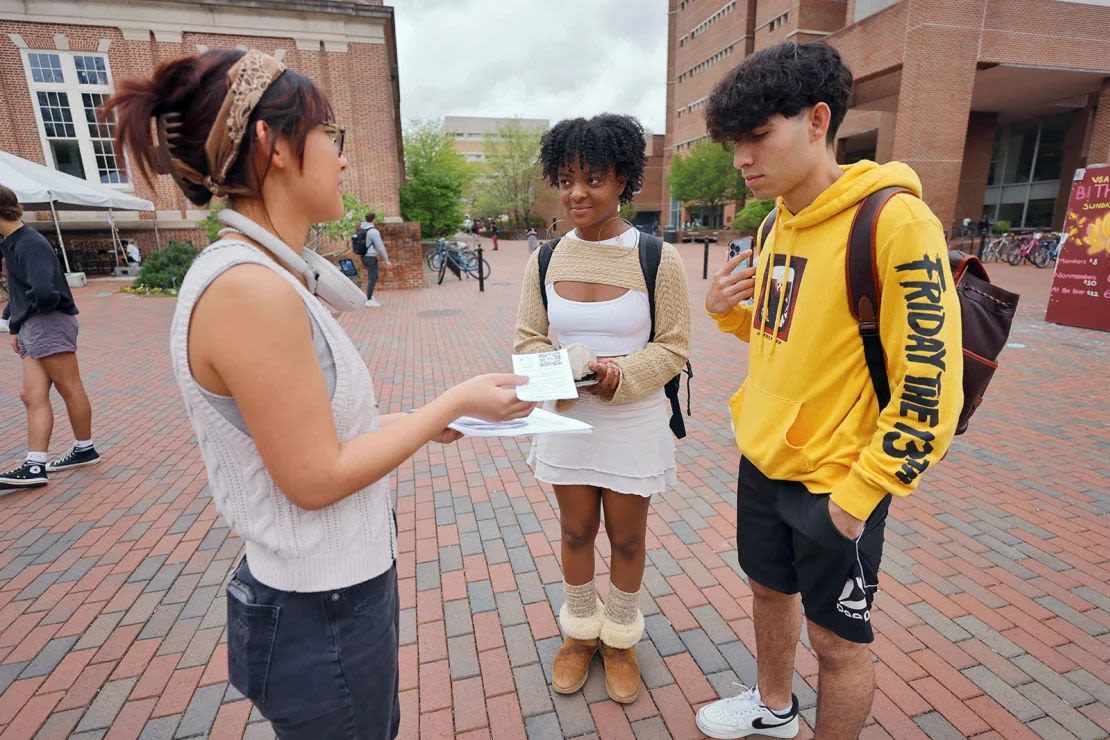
764, 425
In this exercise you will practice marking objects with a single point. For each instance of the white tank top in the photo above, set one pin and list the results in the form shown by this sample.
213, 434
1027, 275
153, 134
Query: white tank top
610, 328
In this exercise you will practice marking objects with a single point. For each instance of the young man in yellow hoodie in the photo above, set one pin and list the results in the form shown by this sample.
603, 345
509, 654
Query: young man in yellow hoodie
820, 460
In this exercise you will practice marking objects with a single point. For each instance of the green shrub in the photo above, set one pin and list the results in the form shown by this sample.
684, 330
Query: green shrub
166, 268
752, 214
1002, 226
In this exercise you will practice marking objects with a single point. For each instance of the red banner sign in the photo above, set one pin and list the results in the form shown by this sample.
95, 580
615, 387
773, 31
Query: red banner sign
1081, 288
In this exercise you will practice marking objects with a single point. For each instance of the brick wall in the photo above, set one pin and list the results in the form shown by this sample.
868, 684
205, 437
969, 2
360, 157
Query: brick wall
1100, 135
356, 81
981, 129
406, 255
928, 95
651, 195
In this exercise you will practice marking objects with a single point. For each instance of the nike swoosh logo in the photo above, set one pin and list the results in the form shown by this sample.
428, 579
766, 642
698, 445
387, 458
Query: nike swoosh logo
759, 724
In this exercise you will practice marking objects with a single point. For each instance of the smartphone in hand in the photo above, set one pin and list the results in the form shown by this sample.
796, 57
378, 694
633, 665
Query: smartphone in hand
735, 247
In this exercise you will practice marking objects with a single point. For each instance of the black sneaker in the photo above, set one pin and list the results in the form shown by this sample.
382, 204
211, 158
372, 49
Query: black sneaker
75, 458
29, 475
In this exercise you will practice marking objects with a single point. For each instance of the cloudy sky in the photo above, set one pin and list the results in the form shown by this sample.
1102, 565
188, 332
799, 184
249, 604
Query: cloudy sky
532, 58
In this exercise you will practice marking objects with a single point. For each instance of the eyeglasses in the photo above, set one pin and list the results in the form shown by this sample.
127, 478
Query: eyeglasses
337, 135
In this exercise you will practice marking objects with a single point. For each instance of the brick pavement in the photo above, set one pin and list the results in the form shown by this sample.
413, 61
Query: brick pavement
994, 618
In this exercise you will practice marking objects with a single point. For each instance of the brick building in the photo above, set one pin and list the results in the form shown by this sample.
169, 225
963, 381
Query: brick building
59, 58
994, 102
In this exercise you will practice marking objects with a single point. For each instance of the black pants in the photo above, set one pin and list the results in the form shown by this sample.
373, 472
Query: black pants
317, 665
788, 543
371, 264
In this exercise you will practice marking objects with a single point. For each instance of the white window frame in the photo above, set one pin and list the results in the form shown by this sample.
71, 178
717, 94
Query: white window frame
73, 91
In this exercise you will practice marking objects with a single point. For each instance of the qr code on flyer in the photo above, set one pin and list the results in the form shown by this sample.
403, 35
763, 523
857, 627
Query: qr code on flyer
550, 359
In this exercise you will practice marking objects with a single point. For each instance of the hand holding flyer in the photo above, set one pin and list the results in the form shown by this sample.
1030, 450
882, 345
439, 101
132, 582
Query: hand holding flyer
549, 376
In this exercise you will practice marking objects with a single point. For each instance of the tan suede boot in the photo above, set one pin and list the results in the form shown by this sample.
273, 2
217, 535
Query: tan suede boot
622, 673
572, 664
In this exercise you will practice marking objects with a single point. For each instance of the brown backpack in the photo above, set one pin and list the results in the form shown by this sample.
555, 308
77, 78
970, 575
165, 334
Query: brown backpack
987, 310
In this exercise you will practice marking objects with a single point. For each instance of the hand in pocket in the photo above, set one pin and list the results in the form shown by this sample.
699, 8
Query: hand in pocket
847, 525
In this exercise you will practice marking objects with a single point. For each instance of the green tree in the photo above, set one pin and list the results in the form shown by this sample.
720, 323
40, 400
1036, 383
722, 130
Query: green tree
510, 176
752, 215
705, 177
437, 178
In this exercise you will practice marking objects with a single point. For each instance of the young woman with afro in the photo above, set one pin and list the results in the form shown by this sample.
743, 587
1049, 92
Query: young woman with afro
597, 307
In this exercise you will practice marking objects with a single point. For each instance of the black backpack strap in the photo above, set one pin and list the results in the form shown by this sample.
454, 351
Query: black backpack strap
544, 260
865, 289
765, 230
651, 254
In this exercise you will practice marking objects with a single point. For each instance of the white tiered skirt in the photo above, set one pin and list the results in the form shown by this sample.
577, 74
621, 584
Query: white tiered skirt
631, 449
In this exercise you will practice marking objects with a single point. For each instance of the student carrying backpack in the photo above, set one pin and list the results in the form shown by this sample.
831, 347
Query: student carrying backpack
358, 241
987, 310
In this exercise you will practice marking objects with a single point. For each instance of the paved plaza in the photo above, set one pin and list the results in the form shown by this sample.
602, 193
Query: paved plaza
993, 618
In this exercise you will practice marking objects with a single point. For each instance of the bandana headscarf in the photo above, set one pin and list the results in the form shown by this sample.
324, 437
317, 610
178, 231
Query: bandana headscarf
247, 81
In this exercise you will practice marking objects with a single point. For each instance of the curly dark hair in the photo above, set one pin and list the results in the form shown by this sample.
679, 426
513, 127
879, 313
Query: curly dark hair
604, 140
784, 79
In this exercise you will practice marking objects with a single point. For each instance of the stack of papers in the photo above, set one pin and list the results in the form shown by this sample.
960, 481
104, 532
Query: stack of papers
537, 422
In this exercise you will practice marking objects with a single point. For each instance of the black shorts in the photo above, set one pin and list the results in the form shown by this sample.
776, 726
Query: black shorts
788, 543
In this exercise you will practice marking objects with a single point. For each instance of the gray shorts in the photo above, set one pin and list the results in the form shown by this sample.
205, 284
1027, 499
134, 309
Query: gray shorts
45, 334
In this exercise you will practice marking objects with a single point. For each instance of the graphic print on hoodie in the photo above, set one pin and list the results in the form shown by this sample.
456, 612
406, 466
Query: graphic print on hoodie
785, 288
807, 410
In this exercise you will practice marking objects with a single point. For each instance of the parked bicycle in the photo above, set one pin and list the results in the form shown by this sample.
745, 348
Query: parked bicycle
998, 249
460, 258
435, 257
1033, 249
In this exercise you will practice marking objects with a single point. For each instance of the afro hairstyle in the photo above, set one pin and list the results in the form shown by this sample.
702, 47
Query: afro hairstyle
598, 143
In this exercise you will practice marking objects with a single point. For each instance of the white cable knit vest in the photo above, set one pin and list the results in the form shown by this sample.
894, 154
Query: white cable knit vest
288, 548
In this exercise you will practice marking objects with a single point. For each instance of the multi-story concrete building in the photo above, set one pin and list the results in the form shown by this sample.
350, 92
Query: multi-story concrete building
59, 59
995, 103
472, 132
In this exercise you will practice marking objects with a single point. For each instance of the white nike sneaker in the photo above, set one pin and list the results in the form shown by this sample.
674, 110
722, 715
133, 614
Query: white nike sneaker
743, 715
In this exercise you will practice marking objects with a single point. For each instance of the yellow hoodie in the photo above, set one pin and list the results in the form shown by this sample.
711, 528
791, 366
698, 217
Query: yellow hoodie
807, 411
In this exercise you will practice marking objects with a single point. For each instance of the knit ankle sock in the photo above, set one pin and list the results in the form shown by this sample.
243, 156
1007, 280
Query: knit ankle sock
623, 625
581, 613
37, 457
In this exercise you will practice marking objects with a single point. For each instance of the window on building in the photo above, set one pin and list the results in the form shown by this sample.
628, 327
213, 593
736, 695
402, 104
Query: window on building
1050, 149
1026, 169
67, 90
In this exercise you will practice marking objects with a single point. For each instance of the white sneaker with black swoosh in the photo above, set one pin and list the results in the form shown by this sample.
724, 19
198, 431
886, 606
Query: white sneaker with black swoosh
743, 715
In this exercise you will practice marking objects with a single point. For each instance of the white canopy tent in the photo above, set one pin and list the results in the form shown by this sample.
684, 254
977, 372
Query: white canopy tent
38, 188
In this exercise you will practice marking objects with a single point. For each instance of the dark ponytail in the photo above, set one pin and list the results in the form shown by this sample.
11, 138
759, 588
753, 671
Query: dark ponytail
194, 87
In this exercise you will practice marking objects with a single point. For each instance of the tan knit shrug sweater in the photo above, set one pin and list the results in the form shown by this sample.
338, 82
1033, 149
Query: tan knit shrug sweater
642, 372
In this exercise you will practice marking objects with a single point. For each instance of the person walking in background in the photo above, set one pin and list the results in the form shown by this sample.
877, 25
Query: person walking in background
374, 256
43, 325
496, 235
533, 240
297, 454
